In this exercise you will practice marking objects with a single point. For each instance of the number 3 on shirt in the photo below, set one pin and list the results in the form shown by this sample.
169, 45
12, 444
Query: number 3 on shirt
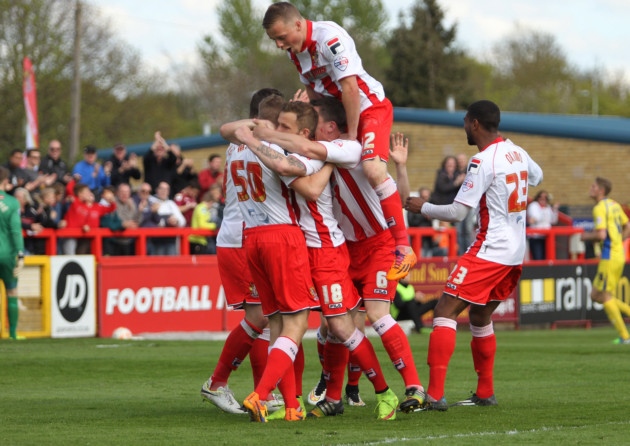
517, 201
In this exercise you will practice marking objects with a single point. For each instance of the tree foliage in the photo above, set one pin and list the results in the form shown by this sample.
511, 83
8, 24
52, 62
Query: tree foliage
245, 60
119, 100
426, 67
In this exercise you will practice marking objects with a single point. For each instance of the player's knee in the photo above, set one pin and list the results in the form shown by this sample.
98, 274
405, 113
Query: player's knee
375, 171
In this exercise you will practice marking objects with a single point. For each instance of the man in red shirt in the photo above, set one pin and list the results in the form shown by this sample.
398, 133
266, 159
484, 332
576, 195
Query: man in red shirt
211, 174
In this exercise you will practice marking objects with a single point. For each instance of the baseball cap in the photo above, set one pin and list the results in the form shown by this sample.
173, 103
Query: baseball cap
89, 149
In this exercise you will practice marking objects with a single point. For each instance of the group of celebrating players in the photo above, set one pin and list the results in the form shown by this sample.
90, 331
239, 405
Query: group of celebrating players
313, 220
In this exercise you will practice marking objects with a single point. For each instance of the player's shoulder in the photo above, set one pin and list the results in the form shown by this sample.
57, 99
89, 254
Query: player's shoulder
332, 39
8, 200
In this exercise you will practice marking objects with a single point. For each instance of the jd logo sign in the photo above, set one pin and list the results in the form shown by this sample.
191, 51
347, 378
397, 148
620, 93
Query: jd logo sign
72, 291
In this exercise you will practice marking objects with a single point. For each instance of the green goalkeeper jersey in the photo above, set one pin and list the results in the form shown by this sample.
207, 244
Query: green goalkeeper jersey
11, 241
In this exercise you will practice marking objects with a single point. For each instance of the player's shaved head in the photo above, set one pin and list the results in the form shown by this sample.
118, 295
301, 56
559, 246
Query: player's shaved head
487, 113
270, 108
258, 97
331, 109
306, 115
284, 11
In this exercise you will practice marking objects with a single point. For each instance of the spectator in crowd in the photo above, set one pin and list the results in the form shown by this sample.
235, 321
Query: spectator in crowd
52, 164
185, 171
211, 174
16, 173
465, 228
441, 241
159, 163
186, 200
125, 217
31, 219
34, 179
124, 166
410, 304
447, 181
144, 201
89, 171
420, 221
51, 209
541, 214
84, 213
207, 215
168, 216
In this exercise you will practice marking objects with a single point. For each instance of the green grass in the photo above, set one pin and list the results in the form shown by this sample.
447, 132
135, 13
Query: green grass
554, 387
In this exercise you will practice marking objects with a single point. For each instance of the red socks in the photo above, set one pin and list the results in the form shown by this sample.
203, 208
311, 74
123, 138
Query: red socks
441, 347
483, 352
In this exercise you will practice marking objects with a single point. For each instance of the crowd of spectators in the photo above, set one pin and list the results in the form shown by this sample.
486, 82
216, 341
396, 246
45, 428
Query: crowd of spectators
117, 194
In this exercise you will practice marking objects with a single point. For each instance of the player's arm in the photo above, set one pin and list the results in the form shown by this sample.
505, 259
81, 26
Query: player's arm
534, 172
453, 212
228, 129
597, 235
626, 231
352, 103
274, 160
398, 151
291, 142
312, 94
312, 186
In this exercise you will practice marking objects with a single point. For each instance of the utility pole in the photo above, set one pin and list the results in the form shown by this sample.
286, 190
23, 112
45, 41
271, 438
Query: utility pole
75, 94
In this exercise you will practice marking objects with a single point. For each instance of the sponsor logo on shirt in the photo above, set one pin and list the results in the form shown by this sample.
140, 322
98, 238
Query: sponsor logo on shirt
341, 63
335, 46
467, 184
473, 167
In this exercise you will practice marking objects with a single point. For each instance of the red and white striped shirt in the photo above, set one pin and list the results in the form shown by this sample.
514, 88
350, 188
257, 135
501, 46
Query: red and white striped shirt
330, 55
357, 208
316, 218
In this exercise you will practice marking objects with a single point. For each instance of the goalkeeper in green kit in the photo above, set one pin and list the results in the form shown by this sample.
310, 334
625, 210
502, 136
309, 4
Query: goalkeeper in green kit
11, 249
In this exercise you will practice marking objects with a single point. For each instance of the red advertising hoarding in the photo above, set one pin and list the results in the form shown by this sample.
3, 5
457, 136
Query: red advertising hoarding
164, 294
153, 295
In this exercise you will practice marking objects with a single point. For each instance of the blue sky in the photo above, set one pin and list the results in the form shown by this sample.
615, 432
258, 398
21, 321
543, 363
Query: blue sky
593, 33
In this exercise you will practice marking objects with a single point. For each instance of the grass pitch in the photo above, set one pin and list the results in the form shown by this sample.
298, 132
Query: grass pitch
554, 387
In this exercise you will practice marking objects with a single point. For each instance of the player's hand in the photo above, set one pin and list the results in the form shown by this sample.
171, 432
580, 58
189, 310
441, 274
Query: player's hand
19, 265
243, 134
300, 96
399, 148
414, 204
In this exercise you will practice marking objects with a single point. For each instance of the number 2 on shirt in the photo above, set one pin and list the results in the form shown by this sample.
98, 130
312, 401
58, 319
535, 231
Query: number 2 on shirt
517, 200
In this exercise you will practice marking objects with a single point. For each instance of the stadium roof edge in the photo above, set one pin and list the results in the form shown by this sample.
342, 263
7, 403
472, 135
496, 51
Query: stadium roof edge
592, 128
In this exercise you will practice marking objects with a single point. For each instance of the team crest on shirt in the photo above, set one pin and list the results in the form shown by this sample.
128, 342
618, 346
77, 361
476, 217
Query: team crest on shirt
335, 46
467, 184
341, 63
473, 167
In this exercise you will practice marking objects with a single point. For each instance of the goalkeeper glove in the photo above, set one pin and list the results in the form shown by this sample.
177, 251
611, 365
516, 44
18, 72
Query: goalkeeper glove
19, 264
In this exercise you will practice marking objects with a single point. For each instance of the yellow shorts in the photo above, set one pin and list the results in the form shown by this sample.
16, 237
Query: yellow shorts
608, 274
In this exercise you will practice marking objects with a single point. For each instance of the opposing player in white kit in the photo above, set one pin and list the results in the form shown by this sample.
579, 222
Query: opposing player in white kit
251, 336
497, 183
329, 65
369, 241
329, 262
